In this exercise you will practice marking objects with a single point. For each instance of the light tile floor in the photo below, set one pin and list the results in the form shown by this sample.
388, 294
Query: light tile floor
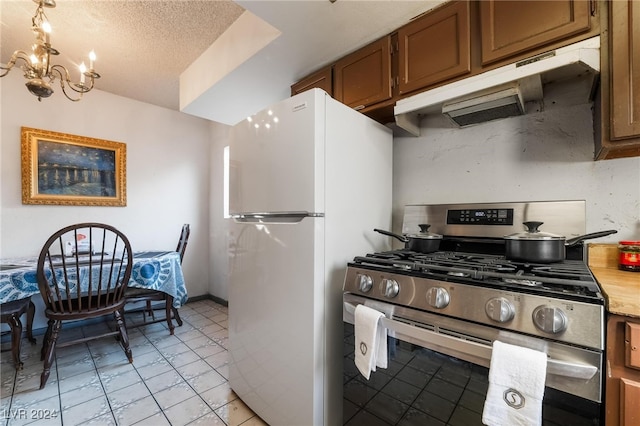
174, 380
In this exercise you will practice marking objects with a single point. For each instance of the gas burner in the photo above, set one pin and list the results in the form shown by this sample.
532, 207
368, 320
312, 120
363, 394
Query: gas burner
568, 271
501, 268
459, 274
403, 266
526, 282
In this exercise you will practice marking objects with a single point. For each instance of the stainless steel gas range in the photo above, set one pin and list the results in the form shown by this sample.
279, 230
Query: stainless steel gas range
445, 308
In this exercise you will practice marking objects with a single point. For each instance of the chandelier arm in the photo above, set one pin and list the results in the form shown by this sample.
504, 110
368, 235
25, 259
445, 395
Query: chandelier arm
18, 54
81, 87
67, 95
63, 75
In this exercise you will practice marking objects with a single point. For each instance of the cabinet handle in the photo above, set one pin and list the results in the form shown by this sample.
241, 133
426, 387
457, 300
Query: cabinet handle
359, 107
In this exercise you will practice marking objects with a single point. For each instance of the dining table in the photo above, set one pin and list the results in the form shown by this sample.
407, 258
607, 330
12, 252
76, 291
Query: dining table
155, 270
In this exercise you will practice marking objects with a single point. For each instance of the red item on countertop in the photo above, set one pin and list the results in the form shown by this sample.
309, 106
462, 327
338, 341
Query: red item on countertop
629, 256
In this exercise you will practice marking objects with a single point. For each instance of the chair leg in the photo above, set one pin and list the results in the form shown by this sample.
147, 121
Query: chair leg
124, 337
50, 351
16, 335
149, 311
170, 309
45, 339
168, 304
176, 315
31, 312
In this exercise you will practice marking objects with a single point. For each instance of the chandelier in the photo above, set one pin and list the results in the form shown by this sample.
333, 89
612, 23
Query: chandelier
37, 66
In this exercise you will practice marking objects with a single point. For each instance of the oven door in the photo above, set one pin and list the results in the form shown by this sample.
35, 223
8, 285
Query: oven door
438, 372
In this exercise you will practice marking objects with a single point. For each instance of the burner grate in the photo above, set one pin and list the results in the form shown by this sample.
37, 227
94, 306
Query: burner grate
564, 278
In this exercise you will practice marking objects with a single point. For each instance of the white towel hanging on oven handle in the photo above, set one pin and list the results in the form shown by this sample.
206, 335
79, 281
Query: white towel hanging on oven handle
516, 386
370, 340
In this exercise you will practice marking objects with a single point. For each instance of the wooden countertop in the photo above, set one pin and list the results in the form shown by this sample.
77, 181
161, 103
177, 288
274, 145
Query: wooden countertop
621, 288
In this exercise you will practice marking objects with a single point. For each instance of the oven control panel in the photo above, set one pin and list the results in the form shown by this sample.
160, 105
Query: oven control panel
562, 320
493, 216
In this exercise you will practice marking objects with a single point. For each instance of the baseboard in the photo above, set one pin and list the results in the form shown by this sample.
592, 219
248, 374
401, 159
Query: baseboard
209, 297
6, 335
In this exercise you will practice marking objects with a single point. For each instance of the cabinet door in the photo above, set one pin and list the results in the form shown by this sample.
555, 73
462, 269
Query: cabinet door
622, 396
629, 402
320, 79
513, 27
632, 345
363, 78
625, 69
434, 47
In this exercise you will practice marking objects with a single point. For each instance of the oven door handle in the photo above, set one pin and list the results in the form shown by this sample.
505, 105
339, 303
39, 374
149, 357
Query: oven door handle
554, 366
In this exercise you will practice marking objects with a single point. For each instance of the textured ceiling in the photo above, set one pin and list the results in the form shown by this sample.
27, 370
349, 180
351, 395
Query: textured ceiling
143, 46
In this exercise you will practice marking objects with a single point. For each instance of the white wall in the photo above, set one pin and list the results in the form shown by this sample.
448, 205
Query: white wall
541, 156
167, 173
219, 234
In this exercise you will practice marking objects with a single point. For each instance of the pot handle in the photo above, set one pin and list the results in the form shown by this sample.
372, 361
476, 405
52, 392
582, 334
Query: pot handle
575, 240
401, 238
532, 226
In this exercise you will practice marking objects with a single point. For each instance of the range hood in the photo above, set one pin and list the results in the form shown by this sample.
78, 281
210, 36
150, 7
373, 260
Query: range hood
501, 92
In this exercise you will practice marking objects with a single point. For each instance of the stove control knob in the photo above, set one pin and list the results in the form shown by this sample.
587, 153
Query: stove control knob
549, 319
390, 288
438, 297
500, 309
365, 283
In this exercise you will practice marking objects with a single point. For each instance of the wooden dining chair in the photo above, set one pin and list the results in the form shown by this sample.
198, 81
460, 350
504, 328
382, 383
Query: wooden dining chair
89, 283
10, 313
137, 295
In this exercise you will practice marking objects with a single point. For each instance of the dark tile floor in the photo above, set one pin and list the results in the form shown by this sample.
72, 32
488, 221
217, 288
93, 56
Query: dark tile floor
419, 387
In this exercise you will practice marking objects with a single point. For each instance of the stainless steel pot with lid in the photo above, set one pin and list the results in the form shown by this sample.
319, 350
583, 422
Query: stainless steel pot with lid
422, 242
536, 246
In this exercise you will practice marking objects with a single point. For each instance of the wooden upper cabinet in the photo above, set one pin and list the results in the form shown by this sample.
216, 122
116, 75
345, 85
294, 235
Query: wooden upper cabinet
363, 77
625, 69
320, 79
617, 107
434, 47
512, 27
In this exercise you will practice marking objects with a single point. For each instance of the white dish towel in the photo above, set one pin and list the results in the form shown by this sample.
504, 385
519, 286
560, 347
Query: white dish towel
370, 340
516, 386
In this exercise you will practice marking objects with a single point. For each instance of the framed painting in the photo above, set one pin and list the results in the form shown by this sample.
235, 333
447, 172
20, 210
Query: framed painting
63, 169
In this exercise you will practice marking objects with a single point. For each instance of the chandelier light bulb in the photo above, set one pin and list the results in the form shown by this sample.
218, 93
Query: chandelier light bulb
83, 69
92, 59
46, 27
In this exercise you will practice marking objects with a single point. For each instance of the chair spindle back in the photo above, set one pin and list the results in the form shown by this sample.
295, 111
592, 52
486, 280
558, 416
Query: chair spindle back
84, 268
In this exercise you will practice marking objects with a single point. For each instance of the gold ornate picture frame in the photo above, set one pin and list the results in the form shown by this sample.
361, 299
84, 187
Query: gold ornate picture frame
63, 169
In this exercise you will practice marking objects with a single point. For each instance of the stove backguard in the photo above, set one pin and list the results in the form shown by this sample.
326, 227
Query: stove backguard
495, 220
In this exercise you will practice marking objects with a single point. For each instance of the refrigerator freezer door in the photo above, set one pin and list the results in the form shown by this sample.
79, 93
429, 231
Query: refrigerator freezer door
276, 320
276, 158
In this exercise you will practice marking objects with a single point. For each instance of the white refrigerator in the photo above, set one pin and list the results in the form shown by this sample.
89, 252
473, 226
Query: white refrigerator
309, 180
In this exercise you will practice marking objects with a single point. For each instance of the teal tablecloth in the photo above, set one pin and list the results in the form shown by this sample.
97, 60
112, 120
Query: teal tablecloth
151, 269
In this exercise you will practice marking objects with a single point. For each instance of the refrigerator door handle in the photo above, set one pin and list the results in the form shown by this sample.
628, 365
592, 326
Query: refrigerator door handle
274, 217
